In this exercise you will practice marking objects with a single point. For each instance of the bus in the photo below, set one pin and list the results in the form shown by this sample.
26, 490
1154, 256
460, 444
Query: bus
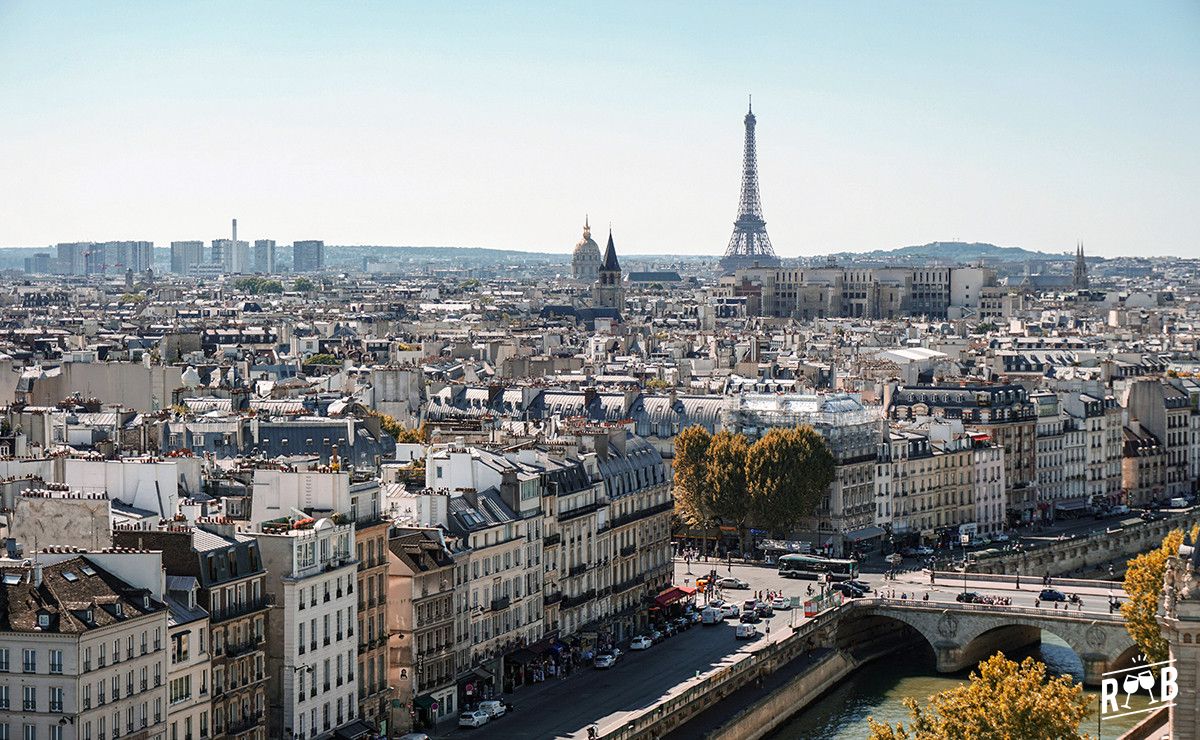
812, 566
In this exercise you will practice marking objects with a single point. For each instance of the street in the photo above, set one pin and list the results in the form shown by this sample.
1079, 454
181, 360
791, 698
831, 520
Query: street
564, 708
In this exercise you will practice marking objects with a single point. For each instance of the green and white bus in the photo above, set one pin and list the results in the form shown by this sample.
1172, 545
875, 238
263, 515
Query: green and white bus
812, 566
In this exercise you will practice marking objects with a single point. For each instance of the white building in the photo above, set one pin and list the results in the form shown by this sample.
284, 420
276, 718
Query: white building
82, 647
311, 644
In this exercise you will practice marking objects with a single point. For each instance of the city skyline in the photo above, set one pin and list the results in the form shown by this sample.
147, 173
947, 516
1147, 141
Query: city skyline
397, 125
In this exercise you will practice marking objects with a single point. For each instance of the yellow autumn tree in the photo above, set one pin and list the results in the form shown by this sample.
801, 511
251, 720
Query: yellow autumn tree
1144, 586
1003, 700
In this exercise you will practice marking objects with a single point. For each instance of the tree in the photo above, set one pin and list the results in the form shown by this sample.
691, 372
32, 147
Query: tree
303, 285
1002, 700
398, 431
725, 490
322, 359
1144, 586
691, 450
258, 285
788, 472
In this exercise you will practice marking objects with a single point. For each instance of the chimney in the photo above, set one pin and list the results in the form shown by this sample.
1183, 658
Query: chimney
235, 231
37, 575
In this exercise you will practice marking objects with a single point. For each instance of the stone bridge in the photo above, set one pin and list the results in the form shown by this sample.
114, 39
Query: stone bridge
961, 635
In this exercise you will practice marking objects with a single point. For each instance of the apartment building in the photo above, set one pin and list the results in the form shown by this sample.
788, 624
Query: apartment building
1061, 461
311, 644
279, 493
231, 588
925, 480
82, 652
1003, 413
189, 678
845, 516
421, 625
1100, 418
1163, 409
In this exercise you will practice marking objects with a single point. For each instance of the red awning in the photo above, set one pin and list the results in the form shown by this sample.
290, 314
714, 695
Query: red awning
673, 594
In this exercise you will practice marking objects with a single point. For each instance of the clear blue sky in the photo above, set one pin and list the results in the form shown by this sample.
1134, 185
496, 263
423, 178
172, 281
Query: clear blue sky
501, 124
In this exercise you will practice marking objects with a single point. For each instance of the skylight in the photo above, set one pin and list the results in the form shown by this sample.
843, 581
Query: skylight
70, 575
87, 570
12, 579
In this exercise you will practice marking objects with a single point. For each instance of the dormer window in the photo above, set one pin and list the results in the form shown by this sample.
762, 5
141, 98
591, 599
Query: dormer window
43, 621
119, 610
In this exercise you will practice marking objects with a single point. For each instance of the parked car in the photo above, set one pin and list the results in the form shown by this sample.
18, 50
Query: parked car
924, 550
493, 707
1051, 594
860, 585
780, 603
1002, 537
682, 623
733, 583
473, 718
667, 628
750, 617
696, 617
641, 642
749, 605
711, 615
764, 610
746, 632
604, 660
967, 597
731, 610
414, 736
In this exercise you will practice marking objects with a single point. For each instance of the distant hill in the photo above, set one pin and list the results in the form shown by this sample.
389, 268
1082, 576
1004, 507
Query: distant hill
961, 252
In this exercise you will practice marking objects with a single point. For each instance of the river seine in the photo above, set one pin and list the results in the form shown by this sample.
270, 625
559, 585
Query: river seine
877, 689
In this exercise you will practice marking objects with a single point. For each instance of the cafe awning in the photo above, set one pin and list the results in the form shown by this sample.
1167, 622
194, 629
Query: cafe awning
673, 594
865, 533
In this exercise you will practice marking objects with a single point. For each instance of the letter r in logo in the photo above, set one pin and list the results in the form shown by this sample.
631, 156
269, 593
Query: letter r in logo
1108, 695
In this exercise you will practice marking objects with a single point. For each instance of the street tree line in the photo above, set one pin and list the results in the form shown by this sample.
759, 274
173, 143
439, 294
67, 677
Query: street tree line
772, 483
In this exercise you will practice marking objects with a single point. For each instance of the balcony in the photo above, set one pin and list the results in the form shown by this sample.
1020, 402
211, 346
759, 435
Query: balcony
500, 603
242, 648
570, 602
581, 511
551, 539
637, 580
247, 722
628, 550
577, 570
634, 516
240, 610
554, 598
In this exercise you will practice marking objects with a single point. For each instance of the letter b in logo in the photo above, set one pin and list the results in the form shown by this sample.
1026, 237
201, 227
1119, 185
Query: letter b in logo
1167, 682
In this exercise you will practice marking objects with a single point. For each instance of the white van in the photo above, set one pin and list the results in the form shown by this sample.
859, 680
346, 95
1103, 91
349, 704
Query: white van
746, 632
493, 707
711, 615
1178, 503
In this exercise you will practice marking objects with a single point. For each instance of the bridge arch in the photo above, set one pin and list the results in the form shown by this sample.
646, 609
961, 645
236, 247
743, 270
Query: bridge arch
961, 636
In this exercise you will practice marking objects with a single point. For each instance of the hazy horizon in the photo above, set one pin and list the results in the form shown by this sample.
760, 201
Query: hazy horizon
879, 126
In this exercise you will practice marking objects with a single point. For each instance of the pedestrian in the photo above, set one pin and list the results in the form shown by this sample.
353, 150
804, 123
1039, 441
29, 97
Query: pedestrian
1018, 581
768, 630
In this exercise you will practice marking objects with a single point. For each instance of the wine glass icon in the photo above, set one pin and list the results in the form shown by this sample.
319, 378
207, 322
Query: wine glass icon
1130, 684
1146, 679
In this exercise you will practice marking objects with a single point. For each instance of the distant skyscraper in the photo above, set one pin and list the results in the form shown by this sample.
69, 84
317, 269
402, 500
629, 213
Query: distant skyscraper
185, 256
608, 291
308, 256
72, 257
1079, 276
264, 256
749, 244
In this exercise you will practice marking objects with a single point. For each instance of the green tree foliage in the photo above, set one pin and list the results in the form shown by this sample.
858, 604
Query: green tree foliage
258, 286
132, 298
1144, 585
322, 359
1002, 701
787, 473
303, 285
691, 452
725, 490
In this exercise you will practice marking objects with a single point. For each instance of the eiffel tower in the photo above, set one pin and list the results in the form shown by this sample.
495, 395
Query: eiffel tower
749, 245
